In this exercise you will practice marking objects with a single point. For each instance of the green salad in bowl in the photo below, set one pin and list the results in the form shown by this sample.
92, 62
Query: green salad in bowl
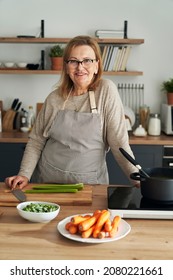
38, 211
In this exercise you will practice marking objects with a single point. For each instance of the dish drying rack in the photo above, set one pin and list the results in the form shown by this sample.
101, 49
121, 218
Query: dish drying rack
132, 96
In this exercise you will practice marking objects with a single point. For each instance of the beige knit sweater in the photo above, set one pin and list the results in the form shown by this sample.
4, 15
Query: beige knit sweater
113, 125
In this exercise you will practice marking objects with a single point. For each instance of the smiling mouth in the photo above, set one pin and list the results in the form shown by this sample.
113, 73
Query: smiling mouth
80, 74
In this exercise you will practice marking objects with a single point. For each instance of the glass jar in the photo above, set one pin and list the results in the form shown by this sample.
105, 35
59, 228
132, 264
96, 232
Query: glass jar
154, 125
144, 113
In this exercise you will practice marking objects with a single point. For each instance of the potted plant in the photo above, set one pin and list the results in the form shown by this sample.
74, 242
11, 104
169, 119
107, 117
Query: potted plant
56, 53
167, 87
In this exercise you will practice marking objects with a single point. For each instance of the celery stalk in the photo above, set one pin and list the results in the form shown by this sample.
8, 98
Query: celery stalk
64, 190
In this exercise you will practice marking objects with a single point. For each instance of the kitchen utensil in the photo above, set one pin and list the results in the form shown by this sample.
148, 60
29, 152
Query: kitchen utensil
38, 217
83, 197
8, 119
19, 194
157, 187
133, 161
144, 113
16, 121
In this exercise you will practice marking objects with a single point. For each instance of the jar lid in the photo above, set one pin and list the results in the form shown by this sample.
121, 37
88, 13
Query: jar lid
155, 115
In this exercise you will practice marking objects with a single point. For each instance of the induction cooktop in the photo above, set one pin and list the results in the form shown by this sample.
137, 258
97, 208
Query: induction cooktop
128, 202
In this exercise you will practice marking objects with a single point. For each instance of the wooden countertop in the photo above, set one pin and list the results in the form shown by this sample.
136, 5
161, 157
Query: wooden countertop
20, 239
163, 139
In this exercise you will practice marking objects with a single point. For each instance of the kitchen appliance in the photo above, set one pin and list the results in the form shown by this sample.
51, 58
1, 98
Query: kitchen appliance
167, 119
168, 156
128, 202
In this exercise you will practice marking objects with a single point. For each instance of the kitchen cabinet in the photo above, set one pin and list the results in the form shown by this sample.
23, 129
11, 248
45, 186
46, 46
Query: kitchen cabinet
117, 42
10, 159
147, 156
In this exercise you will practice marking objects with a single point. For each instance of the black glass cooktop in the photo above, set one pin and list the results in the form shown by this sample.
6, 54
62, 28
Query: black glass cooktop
127, 197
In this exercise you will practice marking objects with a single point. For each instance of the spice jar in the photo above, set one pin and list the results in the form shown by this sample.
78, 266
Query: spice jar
154, 125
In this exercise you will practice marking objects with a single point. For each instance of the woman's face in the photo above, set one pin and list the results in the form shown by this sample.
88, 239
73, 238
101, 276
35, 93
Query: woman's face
82, 66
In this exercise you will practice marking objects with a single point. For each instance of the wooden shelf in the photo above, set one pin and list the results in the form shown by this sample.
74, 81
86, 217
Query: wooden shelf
16, 40
54, 72
66, 40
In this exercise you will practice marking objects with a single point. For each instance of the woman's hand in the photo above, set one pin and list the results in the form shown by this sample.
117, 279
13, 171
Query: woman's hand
16, 181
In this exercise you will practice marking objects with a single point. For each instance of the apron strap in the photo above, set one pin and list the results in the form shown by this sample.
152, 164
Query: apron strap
92, 102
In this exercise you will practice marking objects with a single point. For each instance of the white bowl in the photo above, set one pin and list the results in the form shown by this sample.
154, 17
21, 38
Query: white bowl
24, 129
9, 64
37, 217
21, 64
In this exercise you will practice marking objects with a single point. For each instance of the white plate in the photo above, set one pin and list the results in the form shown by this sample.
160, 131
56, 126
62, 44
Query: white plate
130, 114
123, 229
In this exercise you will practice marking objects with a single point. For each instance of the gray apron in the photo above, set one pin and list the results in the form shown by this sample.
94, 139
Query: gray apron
75, 151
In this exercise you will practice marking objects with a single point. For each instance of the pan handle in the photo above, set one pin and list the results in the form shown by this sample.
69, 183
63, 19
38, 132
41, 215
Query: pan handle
137, 176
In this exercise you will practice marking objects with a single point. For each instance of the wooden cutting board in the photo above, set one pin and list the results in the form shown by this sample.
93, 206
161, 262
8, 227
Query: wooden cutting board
83, 197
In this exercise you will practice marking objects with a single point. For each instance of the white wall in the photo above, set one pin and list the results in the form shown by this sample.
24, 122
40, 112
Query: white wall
151, 20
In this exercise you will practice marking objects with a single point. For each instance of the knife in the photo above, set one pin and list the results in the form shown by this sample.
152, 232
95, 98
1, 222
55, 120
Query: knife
19, 195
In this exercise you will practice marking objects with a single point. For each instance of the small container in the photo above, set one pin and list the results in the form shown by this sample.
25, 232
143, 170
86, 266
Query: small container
154, 125
23, 118
144, 113
30, 117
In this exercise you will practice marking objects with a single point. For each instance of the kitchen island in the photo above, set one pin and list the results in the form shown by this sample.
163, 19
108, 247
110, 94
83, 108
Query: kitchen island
20, 239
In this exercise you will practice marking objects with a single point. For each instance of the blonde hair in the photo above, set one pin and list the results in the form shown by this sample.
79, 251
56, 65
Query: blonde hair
65, 84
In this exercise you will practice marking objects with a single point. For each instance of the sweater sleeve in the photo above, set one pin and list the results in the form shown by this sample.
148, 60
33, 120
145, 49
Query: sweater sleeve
116, 133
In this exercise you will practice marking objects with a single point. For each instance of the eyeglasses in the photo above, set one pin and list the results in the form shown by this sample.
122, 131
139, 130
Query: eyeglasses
85, 62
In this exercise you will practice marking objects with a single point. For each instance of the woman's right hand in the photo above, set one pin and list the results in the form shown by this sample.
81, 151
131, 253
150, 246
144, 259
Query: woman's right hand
16, 182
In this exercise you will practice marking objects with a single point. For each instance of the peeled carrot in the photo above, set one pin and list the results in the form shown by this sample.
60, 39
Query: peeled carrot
87, 216
108, 225
73, 229
68, 225
100, 222
101, 234
85, 225
78, 219
115, 224
96, 212
87, 233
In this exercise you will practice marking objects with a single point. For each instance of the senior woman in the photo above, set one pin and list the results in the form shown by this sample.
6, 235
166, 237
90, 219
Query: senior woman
78, 123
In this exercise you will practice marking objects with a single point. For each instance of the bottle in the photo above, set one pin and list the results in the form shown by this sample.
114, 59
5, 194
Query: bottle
154, 125
23, 118
30, 118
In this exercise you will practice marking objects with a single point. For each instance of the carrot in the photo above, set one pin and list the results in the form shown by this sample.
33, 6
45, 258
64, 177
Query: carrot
87, 216
97, 211
78, 219
87, 233
73, 229
115, 223
68, 225
100, 222
101, 234
108, 225
85, 225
